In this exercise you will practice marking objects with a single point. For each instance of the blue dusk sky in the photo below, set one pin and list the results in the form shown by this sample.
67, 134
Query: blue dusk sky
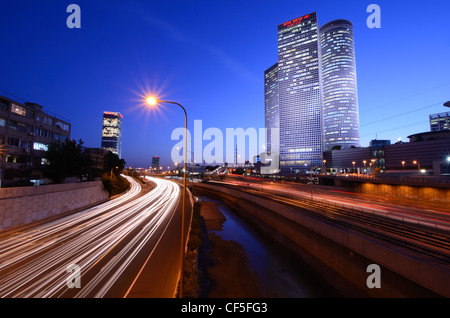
210, 56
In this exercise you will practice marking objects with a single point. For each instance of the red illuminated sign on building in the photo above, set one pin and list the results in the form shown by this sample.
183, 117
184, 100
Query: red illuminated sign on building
295, 21
113, 114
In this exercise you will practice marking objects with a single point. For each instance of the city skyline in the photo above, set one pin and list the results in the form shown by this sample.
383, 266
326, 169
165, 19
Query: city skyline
311, 92
152, 60
204, 149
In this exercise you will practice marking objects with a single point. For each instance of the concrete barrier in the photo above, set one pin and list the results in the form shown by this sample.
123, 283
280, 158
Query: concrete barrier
22, 205
429, 194
346, 252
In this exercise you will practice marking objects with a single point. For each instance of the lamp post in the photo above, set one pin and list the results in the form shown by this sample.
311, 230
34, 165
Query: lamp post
418, 164
364, 162
403, 164
373, 164
153, 101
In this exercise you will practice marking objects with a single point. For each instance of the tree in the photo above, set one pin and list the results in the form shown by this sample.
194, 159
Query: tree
112, 161
68, 159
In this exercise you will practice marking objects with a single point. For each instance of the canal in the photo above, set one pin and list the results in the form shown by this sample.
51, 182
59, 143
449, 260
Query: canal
282, 273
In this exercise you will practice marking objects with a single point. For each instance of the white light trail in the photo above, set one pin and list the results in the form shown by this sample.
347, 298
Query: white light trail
33, 263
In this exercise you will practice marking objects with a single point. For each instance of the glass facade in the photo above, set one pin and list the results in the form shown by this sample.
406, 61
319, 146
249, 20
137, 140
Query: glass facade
112, 132
339, 86
272, 118
299, 95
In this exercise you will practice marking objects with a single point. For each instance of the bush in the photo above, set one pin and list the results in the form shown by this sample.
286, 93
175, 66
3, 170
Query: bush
114, 184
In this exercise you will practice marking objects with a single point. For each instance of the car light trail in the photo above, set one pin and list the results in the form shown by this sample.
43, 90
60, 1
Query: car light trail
34, 263
408, 214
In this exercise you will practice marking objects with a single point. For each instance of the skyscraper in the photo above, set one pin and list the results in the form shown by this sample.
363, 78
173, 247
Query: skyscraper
155, 163
272, 118
299, 94
112, 132
339, 86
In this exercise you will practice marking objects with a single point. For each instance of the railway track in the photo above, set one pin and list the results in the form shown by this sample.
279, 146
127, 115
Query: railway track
432, 244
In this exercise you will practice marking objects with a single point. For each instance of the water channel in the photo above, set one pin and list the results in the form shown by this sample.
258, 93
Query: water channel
282, 273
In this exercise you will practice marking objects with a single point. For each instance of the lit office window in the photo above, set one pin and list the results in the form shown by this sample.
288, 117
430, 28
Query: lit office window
39, 146
19, 110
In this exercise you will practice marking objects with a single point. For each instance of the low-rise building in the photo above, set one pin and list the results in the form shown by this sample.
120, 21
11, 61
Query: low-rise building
440, 121
97, 156
426, 153
26, 131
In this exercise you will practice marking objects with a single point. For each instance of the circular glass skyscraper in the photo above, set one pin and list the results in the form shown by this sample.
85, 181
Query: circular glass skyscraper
339, 86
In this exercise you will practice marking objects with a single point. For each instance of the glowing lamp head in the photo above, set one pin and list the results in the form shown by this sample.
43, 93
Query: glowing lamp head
152, 101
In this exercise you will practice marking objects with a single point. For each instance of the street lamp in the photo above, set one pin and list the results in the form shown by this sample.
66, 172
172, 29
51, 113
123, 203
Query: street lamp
403, 164
373, 164
152, 101
417, 163
353, 163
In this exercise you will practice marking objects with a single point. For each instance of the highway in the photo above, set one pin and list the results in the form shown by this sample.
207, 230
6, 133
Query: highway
102, 252
416, 229
432, 215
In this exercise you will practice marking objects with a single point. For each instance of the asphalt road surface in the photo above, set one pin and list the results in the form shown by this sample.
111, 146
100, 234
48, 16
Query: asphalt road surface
126, 247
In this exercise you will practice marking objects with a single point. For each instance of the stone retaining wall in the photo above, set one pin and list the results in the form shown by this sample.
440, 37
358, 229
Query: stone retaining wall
22, 205
436, 195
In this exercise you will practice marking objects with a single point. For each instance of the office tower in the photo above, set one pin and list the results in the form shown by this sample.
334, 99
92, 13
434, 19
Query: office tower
155, 163
440, 121
299, 95
272, 118
112, 132
339, 87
